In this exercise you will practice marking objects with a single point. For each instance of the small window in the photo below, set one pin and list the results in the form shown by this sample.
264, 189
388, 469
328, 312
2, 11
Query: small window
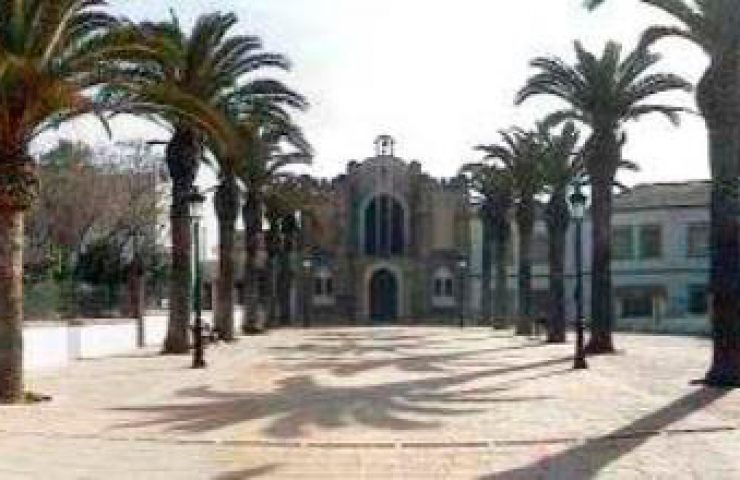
651, 241
638, 304
443, 283
698, 240
698, 300
329, 286
622, 243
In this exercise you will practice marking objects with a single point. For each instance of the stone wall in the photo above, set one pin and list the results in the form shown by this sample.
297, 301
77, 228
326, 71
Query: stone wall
51, 345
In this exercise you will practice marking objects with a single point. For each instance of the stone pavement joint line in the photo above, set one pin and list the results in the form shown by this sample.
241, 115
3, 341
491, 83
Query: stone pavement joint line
483, 444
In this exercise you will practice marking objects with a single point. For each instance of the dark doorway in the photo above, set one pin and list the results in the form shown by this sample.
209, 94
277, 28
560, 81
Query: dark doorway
383, 297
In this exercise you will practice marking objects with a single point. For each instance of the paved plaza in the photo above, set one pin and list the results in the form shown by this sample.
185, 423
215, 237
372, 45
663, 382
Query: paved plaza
384, 403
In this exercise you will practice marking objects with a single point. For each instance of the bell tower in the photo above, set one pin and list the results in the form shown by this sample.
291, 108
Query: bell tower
385, 146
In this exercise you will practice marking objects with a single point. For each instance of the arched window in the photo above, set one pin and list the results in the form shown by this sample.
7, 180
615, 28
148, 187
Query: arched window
384, 227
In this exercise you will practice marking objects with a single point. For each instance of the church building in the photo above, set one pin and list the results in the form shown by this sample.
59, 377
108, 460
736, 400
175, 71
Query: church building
390, 243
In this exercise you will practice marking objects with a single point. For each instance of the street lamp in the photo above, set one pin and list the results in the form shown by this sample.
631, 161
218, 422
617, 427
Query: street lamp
578, 203
196, 202
307, 266
462, 266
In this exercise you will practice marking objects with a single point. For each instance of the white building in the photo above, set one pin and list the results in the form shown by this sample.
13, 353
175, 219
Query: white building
660, 259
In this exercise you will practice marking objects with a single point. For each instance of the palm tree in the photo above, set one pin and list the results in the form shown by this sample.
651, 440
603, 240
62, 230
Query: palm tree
262, 176
258, 102
559, 169
192, 82
604, 94
51, 56
519, 155
493, 185
714, 26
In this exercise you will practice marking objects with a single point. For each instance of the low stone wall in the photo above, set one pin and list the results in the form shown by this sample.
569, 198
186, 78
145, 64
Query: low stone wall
102, 338
46, 345
51, 345
155, 330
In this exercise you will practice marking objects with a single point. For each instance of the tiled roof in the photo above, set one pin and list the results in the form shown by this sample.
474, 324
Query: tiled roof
665, 195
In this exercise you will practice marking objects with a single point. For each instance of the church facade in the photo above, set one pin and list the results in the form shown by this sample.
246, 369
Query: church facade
390, 243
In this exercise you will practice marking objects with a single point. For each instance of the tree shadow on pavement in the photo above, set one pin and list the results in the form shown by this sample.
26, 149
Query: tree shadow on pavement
421, 363
354, 347
334, 344
299, 402
587, 460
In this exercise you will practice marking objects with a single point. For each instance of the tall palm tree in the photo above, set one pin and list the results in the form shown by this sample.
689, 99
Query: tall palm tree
559, 168
502, 203
714, 26
51, 56
493, 185
519, 155
274, 144
604, 93
191, 82
261, 101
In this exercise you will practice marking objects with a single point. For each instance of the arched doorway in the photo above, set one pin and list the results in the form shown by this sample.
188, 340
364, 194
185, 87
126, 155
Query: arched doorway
383, 297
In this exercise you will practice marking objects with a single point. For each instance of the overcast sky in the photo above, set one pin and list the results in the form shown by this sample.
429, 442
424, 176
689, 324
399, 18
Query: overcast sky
438, 75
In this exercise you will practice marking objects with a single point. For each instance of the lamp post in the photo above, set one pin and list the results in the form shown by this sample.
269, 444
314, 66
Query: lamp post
462, 266
307, 266
196, 201
578, 203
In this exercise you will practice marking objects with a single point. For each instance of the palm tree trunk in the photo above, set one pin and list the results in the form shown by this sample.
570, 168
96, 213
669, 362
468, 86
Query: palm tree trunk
286, 276
725, 261
525, 224
558, 227
227, 211
273, 241
487, 245
177, 339
19, 187
602, 311
251, 291
718, 97
283, 288
182, 162
272, 304
252, 217
501, 292
11, 305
